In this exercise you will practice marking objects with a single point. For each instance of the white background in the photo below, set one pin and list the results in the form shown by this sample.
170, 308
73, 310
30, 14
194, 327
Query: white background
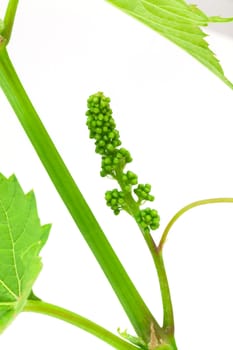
176, 119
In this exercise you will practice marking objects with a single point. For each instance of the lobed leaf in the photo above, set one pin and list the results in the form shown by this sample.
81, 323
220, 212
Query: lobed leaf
21, 239
179, 22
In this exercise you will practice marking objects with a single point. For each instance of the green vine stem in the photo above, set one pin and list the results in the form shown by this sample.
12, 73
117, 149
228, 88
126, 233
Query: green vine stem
186, 208
168, 317
9, 19
140, 316
80, 322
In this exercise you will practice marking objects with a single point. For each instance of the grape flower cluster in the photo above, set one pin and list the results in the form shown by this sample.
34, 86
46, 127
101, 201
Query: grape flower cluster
102, 128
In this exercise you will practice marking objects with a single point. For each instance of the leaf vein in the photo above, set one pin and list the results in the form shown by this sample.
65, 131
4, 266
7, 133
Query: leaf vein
9, 290
13, 248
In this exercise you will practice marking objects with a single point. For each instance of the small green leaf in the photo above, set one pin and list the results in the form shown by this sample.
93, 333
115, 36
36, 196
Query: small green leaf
132, 339
179, 22
21, 239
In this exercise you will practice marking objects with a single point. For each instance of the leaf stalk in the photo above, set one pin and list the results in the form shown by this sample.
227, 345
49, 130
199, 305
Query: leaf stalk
80, 322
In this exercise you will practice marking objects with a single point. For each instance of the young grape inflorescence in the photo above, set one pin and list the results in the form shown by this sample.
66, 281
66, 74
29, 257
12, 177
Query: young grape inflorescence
131, 195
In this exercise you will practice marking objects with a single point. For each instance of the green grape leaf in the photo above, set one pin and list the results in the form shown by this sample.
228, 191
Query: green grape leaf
21, 239
179, 22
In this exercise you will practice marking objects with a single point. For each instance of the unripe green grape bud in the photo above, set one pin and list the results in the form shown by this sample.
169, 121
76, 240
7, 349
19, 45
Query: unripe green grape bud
130, 174
108, 195
101, 143
94, 99
98, 136
115, 193
132, 178
110, 147
111, 135
116, 161
147, 218
134, 181
147, 188
154, 213
116, 211
107, 161
95, 110
105, 130
108, 169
